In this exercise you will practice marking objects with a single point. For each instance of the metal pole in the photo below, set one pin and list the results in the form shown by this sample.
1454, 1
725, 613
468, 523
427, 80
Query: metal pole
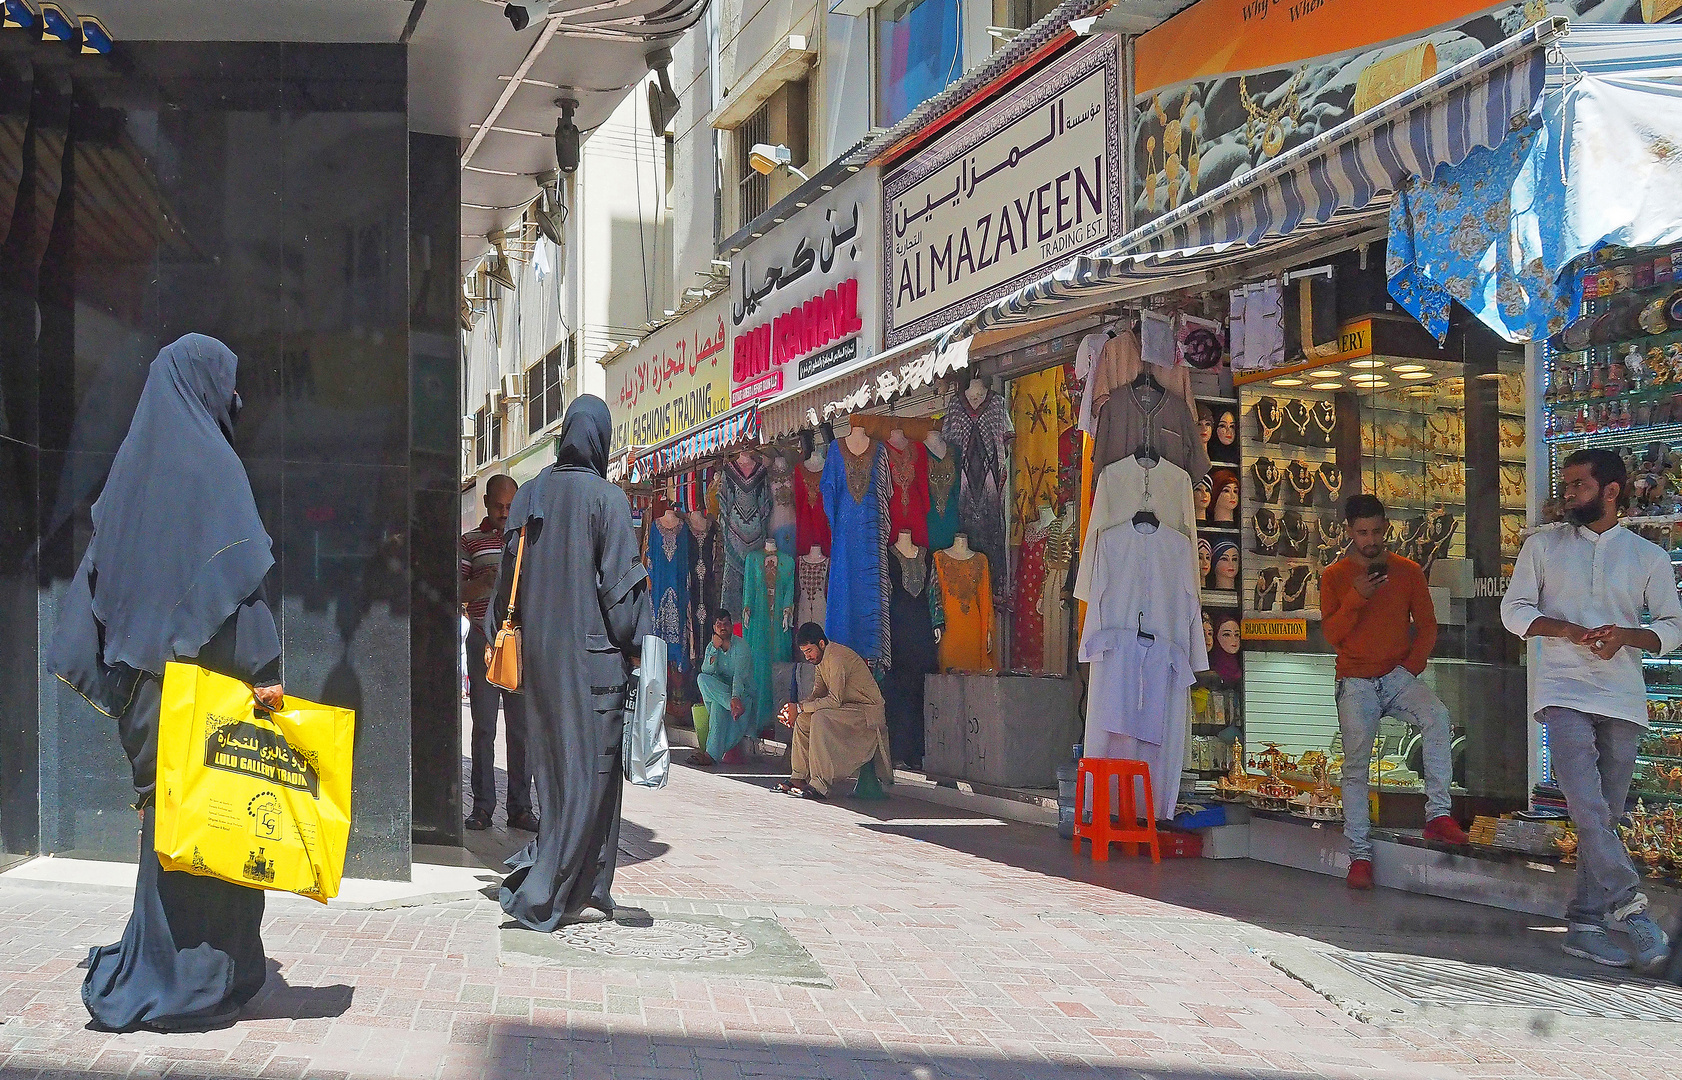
1129, 120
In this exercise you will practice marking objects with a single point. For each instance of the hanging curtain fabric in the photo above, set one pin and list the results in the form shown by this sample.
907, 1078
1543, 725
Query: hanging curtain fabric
1495, 232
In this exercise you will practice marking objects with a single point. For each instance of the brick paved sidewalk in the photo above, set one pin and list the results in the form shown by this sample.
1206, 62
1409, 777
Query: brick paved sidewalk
948, 948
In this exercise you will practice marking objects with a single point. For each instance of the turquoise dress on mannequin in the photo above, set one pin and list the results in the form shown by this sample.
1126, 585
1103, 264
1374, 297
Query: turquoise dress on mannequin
767, 593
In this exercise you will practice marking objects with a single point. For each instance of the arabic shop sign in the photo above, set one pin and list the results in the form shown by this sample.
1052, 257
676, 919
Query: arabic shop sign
795, 294
673, 380
1013, 192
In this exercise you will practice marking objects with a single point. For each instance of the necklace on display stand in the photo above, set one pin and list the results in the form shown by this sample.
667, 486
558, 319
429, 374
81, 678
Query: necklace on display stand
1325, 418
1267, 588
1295, 530
1303, 477
1268, 409
1295, 408
1267, 532
1267, 477
1332, 478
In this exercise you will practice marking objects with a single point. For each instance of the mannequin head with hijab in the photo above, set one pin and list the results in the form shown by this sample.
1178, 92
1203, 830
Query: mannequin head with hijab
1205, 558
1223, 655
1223, 573
1202, 494
1224, 509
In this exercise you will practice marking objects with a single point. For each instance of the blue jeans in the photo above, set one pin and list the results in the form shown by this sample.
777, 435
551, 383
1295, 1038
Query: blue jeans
1361, 703
483, 698
1593, 763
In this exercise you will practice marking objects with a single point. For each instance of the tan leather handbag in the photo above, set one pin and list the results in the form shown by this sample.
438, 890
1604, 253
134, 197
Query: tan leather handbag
502, 656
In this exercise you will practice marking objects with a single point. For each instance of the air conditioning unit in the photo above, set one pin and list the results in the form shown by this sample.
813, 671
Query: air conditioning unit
514, 387
468, 429
493, 400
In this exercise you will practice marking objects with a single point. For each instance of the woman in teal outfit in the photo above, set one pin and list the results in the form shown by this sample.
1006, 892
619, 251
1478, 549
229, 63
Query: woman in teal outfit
726, 685
767, 619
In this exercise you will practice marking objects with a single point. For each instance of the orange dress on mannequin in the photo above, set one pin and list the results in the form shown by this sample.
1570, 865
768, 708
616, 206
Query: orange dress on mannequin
966, 592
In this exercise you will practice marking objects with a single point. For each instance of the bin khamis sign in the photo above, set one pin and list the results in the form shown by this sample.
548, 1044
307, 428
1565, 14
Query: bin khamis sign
1015, 191
802, 297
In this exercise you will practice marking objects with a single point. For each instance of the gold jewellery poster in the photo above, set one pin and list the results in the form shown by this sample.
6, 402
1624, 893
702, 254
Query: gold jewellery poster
1229, 84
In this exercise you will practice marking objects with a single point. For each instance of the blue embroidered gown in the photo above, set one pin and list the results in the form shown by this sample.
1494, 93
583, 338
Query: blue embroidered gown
855, 498
668, 566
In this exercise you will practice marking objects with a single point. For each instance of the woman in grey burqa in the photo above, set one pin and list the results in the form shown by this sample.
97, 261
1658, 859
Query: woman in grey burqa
174, 571
583, 610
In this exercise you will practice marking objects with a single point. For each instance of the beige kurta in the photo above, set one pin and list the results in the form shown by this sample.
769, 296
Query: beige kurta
842, 725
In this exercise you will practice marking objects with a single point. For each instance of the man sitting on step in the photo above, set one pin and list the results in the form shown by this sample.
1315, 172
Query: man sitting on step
841, 726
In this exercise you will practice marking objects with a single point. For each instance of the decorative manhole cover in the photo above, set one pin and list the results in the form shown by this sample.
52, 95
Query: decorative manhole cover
1451, 983
662, 941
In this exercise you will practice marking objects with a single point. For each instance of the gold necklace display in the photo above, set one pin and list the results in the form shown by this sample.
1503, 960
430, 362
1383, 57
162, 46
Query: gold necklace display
1332, 477
1325, 418
1296, 539
1267, 532
1267, 477
1303, 478
1267, 127
1268, 408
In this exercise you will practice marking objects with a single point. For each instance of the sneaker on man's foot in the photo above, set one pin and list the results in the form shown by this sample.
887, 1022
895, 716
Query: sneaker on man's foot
1445, 829
1360, 874
1652, 947
1593, 943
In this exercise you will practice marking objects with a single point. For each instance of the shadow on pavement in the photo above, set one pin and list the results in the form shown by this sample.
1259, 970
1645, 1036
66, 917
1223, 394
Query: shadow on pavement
279, 1000
1297, 902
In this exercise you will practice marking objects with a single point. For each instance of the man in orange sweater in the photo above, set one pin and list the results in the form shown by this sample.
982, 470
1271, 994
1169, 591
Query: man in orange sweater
1376, 611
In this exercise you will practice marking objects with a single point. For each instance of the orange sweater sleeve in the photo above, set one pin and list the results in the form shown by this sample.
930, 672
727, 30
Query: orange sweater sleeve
1340, 606
1424, 626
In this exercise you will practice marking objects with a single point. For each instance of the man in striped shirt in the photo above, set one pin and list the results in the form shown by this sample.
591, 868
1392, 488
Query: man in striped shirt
481, 555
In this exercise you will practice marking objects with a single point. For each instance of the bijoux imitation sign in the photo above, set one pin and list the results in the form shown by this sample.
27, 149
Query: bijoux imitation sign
1028, 182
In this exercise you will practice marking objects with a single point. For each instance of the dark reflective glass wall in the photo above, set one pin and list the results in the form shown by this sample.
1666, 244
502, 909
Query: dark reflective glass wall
258, 193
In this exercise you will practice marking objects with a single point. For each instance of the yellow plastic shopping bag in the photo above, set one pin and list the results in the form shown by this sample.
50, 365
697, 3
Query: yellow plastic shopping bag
253, 797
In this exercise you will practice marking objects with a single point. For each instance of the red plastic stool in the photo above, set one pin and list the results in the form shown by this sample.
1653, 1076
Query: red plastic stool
1132, 827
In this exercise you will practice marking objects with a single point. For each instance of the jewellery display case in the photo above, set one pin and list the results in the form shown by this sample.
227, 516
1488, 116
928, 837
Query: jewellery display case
1437, 433
1613, 379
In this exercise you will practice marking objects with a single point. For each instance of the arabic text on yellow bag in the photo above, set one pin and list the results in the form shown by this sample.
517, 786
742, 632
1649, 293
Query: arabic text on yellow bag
256, 798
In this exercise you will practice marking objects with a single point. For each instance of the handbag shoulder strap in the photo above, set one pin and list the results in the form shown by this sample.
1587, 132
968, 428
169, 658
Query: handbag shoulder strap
514, 593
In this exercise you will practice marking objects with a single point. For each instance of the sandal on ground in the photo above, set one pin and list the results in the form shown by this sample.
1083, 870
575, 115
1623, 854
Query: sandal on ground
700, 759
786, 787
806, 791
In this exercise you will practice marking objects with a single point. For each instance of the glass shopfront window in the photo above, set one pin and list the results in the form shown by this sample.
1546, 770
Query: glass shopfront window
1437, 433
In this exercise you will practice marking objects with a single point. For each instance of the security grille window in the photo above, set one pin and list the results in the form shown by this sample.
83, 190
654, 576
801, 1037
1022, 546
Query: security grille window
494, 434
755, 188
481, 436
543, 387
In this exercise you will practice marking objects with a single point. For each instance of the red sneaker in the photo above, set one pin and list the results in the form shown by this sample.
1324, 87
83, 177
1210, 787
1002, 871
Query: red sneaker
1444, 829
1360, 874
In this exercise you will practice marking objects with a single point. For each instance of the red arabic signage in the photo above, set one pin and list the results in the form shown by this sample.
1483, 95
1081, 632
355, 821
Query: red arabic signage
795, 294
672, 381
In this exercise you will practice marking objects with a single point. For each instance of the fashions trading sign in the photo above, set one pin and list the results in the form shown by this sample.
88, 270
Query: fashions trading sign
802, 297
1026, 183
672, 381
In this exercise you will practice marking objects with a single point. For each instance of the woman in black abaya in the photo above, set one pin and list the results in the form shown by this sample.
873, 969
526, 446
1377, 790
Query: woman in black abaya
583, 610
174, 572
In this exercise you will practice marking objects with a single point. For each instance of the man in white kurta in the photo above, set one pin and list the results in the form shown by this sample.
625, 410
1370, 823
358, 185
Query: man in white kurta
1142, 584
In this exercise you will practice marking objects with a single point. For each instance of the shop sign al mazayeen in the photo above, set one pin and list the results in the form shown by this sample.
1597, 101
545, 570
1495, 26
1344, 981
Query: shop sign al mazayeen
1029, 181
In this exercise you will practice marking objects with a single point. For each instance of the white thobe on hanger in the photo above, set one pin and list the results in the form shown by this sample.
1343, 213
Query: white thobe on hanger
1142, 579
1120, 493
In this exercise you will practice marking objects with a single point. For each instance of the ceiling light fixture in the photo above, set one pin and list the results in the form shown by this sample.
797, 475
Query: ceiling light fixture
1326, 386
1413, 376
1287, 382
1408, 367
1366, 363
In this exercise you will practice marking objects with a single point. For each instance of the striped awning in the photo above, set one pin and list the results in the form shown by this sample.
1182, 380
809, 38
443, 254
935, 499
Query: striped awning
1336, 183
718, 437
1440, 121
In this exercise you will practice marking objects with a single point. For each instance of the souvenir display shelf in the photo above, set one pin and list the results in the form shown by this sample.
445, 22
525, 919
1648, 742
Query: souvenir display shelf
1622, 390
